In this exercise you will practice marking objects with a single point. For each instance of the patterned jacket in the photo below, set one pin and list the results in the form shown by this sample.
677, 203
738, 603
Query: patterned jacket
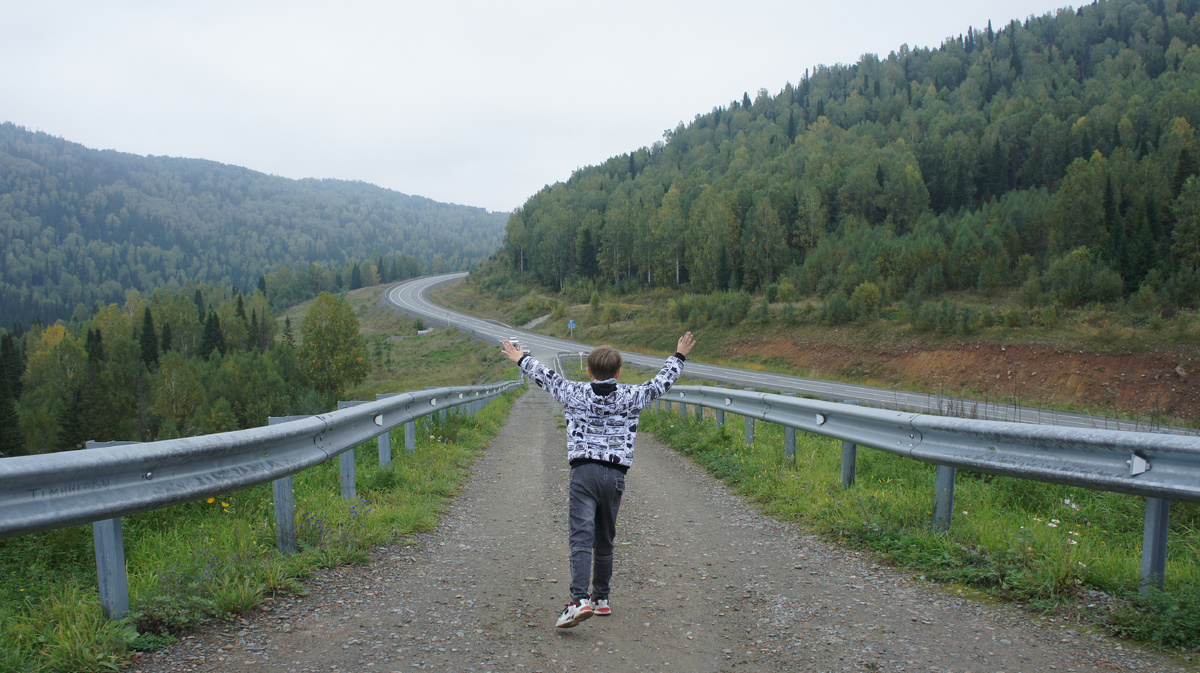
602, 418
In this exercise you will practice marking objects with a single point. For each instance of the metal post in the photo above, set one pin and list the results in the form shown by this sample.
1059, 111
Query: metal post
285, 514
699, 412
850, 458
682, 411
112, 581
385, 448
410, 436
346, 467
789, 444
849, 461
285, 503
667, 404
1154, 544
720, 417
943, 498
749, 427
110, 567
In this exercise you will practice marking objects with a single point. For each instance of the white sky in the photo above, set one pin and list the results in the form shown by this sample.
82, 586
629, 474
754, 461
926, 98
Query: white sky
478, 103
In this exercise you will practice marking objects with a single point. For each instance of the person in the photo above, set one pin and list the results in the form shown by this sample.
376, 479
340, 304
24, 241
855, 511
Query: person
602, 421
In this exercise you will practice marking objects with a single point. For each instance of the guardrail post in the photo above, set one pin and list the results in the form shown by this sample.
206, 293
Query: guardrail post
667, 405
109, 542
410, 436
110, 567
1154, 544
720, 417
699, 413
346, 468
789, 440
850, 457
682, 411
385, 448
749, 426
943, 498
346, 464
285, 503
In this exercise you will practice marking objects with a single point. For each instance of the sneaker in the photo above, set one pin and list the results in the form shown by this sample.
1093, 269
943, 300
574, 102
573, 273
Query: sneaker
600, 607
574, 613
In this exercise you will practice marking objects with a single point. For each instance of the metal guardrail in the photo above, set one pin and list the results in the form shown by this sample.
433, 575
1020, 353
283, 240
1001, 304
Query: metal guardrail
1159, 467
100, 485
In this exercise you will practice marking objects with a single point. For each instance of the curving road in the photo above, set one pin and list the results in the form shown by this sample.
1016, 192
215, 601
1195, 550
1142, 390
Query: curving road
412, 297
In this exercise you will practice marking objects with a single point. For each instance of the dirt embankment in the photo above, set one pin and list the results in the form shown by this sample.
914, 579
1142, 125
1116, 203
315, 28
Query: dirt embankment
1152, 385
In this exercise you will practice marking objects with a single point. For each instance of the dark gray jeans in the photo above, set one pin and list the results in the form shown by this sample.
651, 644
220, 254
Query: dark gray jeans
596, 492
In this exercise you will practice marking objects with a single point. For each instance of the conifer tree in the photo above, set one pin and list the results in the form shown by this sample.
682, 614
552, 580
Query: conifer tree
213, 339
149, 341
11, 441
166, 337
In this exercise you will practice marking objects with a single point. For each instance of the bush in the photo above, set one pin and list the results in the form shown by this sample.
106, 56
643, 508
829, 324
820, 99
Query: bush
865, 301
837, 309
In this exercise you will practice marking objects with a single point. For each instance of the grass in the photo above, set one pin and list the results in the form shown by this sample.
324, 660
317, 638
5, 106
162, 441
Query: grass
217, 558
1069, 551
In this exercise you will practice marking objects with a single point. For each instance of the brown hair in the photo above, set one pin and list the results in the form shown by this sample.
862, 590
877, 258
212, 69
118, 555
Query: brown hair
604, 362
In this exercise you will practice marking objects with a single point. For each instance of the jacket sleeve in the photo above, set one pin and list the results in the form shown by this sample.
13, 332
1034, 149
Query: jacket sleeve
546, 378
661, 383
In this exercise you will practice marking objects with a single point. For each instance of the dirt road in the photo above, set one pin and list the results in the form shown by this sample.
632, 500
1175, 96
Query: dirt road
702, 583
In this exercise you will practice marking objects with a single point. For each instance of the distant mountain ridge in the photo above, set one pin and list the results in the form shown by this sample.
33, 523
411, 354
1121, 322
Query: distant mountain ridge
79, 226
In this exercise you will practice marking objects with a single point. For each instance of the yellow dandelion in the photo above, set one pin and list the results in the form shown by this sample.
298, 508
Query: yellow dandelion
211, 500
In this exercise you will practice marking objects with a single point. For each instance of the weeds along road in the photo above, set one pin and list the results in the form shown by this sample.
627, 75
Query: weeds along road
702, 583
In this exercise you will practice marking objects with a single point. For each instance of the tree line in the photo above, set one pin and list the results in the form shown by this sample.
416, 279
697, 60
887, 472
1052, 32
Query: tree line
172, 363
80, 226
1054, 158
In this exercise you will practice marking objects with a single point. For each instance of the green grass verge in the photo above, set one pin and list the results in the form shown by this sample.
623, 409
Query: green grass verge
1068, 550
218, 558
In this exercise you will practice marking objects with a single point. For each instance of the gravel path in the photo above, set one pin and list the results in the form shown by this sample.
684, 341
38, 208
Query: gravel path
702, 583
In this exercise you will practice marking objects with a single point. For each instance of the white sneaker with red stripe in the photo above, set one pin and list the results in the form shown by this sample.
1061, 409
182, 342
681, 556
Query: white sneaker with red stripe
600, 607
574, 613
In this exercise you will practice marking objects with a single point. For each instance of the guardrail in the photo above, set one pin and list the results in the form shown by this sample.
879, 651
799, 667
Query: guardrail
1159, 467
100, 485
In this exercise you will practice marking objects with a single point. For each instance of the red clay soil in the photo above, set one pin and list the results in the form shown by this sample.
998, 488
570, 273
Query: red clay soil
1152, 385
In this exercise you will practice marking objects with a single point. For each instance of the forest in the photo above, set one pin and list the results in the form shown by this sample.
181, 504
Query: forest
173, 363
82, 227
1051, 160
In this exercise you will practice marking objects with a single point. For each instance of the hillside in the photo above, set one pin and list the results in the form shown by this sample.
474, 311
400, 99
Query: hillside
80, 226
1052, 160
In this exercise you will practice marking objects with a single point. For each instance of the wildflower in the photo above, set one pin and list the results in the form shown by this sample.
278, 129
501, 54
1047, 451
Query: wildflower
964, 512
1072, 542
224, 504
211, 500
1052, 525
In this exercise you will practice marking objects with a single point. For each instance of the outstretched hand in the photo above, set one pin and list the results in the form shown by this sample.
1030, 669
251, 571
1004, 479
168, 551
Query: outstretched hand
685, 344
510, 351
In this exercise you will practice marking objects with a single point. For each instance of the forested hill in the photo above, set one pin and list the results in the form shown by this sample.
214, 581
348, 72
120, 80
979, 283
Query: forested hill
1055, 154
79, 226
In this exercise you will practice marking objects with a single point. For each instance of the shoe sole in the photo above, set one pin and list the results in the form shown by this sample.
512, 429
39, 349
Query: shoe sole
604, 613
578, 618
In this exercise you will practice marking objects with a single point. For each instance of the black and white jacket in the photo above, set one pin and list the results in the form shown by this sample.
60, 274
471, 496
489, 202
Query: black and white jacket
602, 418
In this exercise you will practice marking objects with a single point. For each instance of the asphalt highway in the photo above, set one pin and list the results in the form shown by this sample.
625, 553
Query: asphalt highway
412, 297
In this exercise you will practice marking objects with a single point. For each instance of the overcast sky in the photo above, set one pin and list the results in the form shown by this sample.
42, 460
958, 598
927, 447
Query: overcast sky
478, 103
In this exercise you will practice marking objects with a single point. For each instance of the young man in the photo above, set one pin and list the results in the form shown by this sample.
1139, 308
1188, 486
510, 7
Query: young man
602, 420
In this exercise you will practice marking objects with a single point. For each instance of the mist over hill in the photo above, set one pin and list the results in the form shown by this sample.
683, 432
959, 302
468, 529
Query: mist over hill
80, 226
1053, 157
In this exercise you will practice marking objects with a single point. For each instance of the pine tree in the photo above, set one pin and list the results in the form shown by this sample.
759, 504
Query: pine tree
355, 278
11, 365
149, 341
166, 338
94, 345
262, 285
11, 441
213, 339
252, 336
199, 299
